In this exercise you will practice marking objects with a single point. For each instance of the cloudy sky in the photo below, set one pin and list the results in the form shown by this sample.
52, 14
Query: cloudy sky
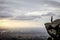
20, 9
35, 11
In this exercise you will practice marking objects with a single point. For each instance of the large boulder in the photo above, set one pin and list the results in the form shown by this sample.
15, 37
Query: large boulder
53, 28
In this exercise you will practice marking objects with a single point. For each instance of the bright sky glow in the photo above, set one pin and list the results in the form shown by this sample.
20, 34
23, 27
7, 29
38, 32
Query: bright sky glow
17, 24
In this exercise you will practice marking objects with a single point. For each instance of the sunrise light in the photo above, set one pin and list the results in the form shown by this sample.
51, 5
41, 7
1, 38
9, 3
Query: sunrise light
5, 23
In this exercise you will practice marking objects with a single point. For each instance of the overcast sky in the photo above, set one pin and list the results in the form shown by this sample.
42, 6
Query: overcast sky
18, 8
30, 10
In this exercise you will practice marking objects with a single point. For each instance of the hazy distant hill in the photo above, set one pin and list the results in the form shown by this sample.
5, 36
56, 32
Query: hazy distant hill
26, 33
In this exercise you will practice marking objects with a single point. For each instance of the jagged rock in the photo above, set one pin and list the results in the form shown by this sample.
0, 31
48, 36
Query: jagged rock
53, 29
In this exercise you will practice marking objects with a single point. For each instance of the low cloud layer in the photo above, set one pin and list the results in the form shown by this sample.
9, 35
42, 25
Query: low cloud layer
5, 15
26, 17
49, 14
